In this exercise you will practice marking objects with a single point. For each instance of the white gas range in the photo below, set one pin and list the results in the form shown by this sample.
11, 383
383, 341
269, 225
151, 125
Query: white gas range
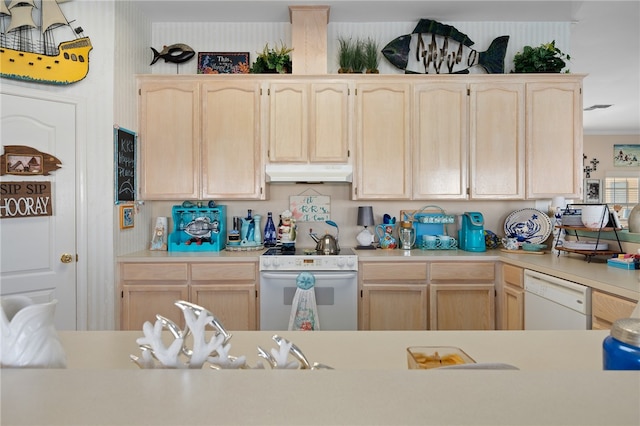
336, 287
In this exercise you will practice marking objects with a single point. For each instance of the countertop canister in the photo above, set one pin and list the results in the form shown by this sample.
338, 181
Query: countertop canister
621, 349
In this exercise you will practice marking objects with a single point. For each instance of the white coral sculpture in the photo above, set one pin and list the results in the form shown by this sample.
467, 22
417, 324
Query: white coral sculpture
214, 351
156, 354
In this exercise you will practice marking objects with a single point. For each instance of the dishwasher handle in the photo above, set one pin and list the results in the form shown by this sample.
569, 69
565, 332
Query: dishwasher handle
557, 290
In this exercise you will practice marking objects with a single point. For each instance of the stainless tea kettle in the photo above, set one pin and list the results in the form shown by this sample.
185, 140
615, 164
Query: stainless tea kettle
327, 244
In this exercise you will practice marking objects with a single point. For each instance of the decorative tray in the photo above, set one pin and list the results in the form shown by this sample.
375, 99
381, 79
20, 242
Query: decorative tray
528, 225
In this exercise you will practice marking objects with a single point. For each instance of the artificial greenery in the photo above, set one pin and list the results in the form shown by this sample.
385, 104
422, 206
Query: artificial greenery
273, 60
546, 58
351, 57
371, 57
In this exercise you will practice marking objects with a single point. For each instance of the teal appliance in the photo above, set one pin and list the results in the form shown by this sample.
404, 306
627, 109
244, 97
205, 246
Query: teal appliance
471, 233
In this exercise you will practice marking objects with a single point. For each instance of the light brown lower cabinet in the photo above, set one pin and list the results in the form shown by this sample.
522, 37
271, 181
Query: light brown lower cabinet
393, 295
512, 298
605, 309
227, 289
462, 296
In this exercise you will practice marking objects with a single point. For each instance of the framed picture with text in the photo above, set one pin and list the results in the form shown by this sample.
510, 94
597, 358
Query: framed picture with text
223, 63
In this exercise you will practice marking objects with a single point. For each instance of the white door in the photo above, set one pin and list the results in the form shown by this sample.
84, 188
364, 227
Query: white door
32, 248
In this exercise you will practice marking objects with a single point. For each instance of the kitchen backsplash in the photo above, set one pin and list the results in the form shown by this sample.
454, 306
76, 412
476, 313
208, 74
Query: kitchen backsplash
344, 211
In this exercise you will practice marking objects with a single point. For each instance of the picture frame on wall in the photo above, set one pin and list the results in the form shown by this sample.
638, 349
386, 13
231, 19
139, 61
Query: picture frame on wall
592, 191
627, 155
127, 216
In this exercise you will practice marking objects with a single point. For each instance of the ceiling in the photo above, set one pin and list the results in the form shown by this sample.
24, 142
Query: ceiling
605, 37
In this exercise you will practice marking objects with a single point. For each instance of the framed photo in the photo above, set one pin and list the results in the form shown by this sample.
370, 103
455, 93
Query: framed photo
592, 191
126, 216
223, 63
626, 155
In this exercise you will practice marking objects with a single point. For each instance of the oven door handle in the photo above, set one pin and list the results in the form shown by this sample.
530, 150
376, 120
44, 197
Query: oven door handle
322, 274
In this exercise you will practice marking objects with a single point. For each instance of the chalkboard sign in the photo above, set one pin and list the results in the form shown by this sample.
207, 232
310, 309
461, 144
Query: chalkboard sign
125, 165
223, 63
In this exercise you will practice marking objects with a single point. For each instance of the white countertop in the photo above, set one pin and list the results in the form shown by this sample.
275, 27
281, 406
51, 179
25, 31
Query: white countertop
560, 382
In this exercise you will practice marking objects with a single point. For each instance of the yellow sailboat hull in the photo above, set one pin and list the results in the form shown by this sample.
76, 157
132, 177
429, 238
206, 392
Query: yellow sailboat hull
70, 65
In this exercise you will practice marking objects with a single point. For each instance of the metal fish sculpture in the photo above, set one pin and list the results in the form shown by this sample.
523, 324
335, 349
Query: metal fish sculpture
176, 53
437, 53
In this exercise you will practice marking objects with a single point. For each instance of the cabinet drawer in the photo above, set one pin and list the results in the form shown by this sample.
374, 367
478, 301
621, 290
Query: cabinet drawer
394, 271
462, 271
513, 275
610, 308
154, 271
241, 271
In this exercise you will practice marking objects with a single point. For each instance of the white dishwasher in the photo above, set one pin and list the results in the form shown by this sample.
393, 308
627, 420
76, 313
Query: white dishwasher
551, 303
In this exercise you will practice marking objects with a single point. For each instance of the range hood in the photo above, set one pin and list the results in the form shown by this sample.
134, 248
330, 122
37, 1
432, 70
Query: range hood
309, 173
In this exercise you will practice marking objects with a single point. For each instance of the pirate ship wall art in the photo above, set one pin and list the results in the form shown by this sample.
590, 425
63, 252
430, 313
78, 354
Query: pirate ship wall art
28, 49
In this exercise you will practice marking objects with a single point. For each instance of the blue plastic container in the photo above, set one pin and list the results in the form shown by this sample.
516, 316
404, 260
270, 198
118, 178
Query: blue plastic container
621, 349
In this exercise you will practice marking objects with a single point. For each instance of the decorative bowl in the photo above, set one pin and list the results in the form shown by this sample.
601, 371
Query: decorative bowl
426, 357
533, 247
594, 217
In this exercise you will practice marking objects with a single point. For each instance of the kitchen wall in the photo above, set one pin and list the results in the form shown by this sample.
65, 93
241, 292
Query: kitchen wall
601, 148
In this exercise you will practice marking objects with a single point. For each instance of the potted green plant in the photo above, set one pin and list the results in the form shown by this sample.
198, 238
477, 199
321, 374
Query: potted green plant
546, 58
350, 55
273, 60
371, 57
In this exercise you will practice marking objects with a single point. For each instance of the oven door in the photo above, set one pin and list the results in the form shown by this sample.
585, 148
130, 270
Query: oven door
336, 299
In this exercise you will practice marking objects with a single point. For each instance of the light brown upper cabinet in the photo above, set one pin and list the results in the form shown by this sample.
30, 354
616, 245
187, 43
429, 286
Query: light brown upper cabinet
496, 141
309, 122
383, 141
200, 139
231, 142
169, 138
440, 140
554, 138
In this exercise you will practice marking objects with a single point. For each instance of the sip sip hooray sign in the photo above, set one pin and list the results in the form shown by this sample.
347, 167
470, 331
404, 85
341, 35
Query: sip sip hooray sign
25, 199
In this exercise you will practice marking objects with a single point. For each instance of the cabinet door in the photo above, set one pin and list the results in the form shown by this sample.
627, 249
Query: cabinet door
288, 122
394, 307
512, 308
393, 298
141, 303
383, 141
512, 298
496, 146
169, 135
554, 139
329, 124
606, 309
440, 138
148, 289
461, 307
232, 165
228, 290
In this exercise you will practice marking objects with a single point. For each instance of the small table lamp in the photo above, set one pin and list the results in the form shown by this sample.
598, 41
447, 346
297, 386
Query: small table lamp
365, 237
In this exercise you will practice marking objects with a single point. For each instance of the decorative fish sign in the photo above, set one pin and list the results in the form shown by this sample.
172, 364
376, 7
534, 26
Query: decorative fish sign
442, 50
176, 53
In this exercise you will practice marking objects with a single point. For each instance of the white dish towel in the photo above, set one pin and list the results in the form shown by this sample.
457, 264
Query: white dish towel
304, 311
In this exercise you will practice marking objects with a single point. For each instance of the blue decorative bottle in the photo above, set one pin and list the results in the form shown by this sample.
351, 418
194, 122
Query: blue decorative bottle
270, 236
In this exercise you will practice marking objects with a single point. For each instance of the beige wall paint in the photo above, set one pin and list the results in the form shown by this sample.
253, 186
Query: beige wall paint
601, 148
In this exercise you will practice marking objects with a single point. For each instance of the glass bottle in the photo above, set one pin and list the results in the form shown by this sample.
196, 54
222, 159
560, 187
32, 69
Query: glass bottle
270, 236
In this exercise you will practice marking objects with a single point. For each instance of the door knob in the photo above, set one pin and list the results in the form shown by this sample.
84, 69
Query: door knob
66, 258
